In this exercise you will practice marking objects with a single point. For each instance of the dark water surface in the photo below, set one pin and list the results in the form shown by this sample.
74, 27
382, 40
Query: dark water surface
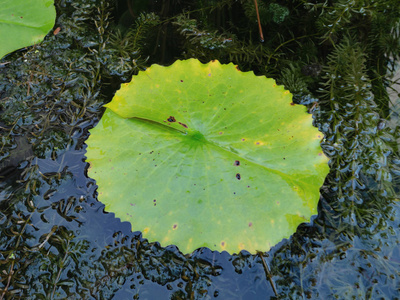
56, 241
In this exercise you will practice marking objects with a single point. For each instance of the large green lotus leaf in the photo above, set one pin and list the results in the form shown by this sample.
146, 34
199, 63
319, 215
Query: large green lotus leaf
24, 23
203, 155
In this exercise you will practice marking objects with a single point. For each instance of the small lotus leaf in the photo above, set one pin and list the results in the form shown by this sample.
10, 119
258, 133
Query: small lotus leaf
24, 23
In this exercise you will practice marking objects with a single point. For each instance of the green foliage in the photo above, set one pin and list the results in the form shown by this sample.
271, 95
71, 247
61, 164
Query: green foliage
202, 38
375, 24
215, 158
125, 54
272, 12
357, 138
293, 80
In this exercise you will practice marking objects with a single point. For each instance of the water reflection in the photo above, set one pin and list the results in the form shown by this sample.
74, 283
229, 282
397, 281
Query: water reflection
57, 242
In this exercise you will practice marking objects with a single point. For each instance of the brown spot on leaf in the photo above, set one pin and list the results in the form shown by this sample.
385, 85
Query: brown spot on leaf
250, 224
292, 104
184, 125
238, 176
171, 119
237, 163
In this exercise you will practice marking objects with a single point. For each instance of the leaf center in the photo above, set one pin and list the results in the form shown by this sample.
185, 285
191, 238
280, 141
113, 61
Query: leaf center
197, 136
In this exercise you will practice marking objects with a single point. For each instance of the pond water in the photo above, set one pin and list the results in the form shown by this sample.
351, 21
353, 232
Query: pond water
56, 241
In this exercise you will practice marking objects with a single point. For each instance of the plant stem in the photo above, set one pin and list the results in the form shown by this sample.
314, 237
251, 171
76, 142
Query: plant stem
259, 23
267, 272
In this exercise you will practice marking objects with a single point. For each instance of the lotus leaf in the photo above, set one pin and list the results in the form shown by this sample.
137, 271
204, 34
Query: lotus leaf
204, 155
24, 23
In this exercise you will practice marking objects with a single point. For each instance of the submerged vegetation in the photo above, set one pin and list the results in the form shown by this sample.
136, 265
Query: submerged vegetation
337, 57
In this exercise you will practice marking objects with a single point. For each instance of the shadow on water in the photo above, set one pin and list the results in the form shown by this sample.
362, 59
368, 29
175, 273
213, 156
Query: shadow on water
56, 241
